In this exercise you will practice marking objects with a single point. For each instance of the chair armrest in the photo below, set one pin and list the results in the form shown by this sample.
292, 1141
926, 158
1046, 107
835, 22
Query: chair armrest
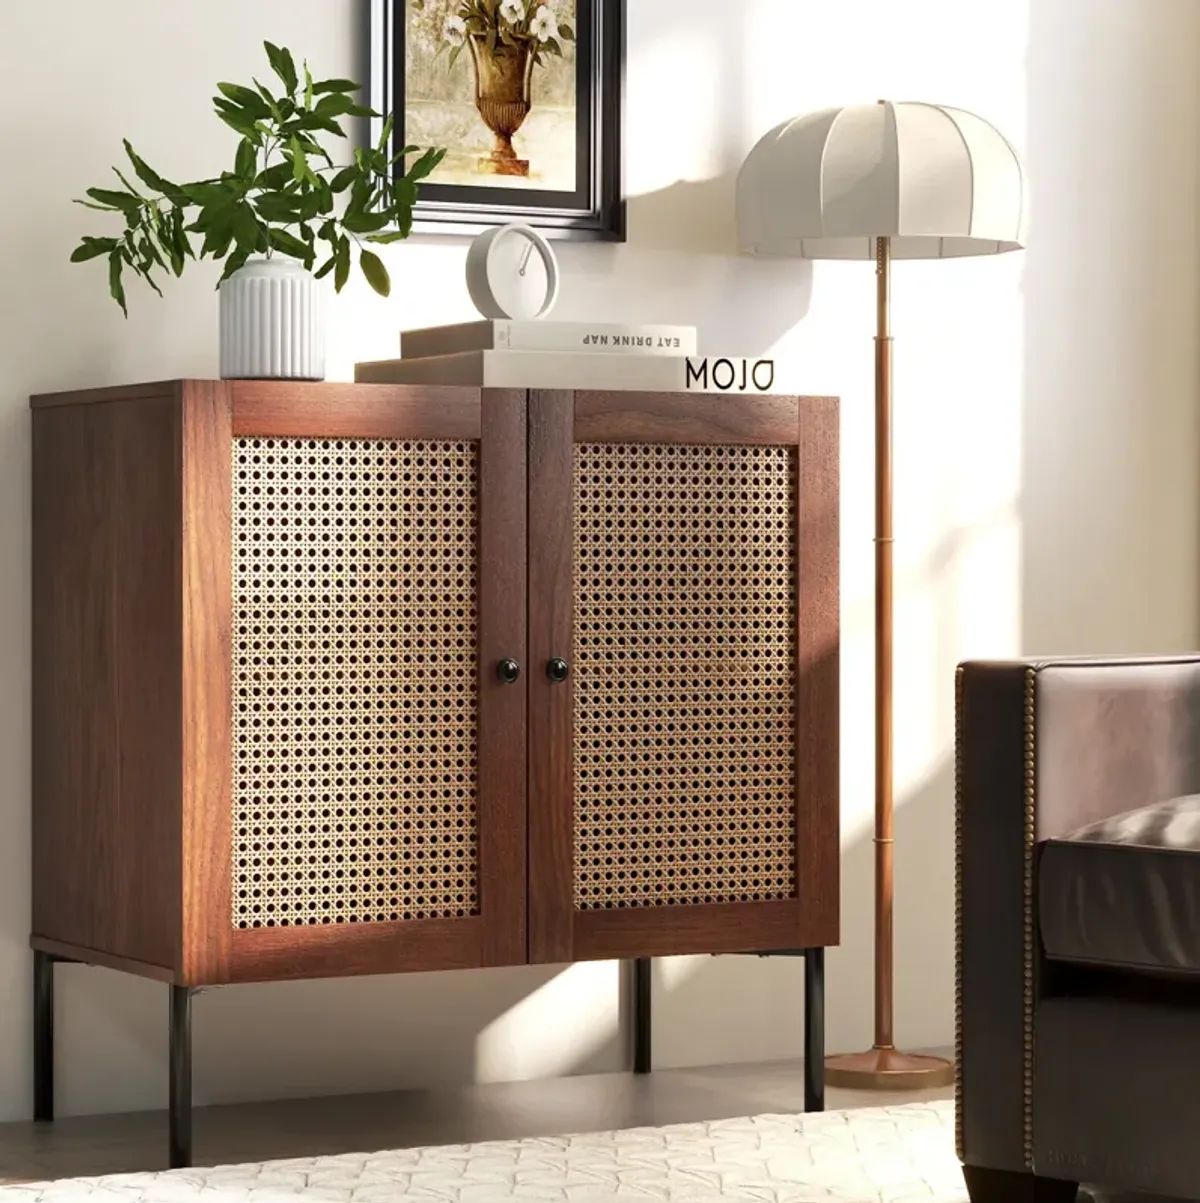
1042, 747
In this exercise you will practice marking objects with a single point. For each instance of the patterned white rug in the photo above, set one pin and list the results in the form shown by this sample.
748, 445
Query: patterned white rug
878, 1155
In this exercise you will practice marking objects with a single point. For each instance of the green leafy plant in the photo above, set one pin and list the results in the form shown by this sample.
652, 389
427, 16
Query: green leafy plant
284, 195
500, 23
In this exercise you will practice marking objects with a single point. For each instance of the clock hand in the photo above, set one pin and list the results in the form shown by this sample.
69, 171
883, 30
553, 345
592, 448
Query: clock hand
525, 261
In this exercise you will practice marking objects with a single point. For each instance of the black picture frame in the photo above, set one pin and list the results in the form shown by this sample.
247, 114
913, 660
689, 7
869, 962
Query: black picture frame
596, 210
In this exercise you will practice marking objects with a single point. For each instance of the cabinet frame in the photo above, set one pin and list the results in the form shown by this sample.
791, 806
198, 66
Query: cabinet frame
132, 756
558, 421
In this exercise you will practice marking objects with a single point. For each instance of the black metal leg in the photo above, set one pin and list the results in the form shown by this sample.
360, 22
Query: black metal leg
642, 1059
180, 1103
814, 1029
43, 1036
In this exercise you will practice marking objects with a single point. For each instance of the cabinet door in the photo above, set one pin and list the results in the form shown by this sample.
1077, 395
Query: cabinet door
366, 813
683, 776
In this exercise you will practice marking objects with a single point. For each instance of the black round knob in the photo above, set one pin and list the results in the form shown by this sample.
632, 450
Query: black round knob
556, 670
508, 671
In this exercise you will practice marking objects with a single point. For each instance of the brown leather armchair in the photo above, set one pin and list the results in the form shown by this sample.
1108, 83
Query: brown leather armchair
1078, 920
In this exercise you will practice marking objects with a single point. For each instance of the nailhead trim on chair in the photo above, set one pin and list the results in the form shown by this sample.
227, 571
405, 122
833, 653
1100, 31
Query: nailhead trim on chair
958, 913
1030, 833
1030, 836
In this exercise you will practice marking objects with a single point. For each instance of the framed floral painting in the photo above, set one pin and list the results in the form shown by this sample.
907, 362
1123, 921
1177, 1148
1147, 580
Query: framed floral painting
526, 97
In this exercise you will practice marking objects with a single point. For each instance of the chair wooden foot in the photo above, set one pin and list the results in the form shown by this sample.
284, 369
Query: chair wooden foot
1007, 1186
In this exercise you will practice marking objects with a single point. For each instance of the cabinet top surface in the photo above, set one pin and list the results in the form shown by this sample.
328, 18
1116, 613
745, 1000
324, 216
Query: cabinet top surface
263, 390
282, 391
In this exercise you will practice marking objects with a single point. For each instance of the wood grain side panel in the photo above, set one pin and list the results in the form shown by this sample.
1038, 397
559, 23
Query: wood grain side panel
270, 954
551, 706
817, 669
158, 390
276, 409
74, 683
502, 708
105, 678
207, 604
619, 417
684, 930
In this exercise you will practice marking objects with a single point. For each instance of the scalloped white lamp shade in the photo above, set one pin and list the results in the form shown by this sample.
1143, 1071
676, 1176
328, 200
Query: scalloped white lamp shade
939, 182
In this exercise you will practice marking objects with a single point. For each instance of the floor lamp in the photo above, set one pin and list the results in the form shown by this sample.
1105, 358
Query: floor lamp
881, 182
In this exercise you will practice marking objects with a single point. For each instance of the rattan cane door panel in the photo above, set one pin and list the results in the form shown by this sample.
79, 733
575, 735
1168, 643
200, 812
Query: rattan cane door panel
684, 812
684, 654
377, 763
355, 627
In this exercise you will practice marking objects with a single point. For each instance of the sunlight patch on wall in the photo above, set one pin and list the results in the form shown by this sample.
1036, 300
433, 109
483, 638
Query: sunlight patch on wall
555, 1029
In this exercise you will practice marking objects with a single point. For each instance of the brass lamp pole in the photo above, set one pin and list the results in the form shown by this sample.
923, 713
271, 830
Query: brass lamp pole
884, 1066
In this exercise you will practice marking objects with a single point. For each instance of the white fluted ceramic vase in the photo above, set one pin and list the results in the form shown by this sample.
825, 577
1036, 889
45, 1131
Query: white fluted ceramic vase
272, 323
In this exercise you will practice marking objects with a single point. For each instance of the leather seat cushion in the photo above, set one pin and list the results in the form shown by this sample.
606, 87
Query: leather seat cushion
1124, 892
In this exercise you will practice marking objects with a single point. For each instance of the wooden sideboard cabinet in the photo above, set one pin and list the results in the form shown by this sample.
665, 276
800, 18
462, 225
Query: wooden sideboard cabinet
341, 679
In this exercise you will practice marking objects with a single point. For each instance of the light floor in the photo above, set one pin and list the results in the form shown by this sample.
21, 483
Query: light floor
106, 1144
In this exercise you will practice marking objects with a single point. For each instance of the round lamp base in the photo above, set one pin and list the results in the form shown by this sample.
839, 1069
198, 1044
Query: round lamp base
888, 1069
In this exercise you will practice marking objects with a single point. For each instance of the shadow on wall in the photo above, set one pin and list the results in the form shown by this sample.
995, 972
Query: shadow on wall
681, 265
699, 217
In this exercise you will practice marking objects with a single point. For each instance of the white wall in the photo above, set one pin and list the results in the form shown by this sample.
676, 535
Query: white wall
1046, 451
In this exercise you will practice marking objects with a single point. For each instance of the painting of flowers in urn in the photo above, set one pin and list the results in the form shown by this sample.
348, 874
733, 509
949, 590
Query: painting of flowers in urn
525, 95
510, 42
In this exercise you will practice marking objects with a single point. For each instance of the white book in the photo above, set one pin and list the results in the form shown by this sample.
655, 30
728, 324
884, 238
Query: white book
533, 369
506, 335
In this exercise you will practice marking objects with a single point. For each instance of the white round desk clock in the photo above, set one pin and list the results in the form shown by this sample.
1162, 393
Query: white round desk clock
512, 273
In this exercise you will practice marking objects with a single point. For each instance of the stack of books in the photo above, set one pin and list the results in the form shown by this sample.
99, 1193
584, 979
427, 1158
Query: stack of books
565, 355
